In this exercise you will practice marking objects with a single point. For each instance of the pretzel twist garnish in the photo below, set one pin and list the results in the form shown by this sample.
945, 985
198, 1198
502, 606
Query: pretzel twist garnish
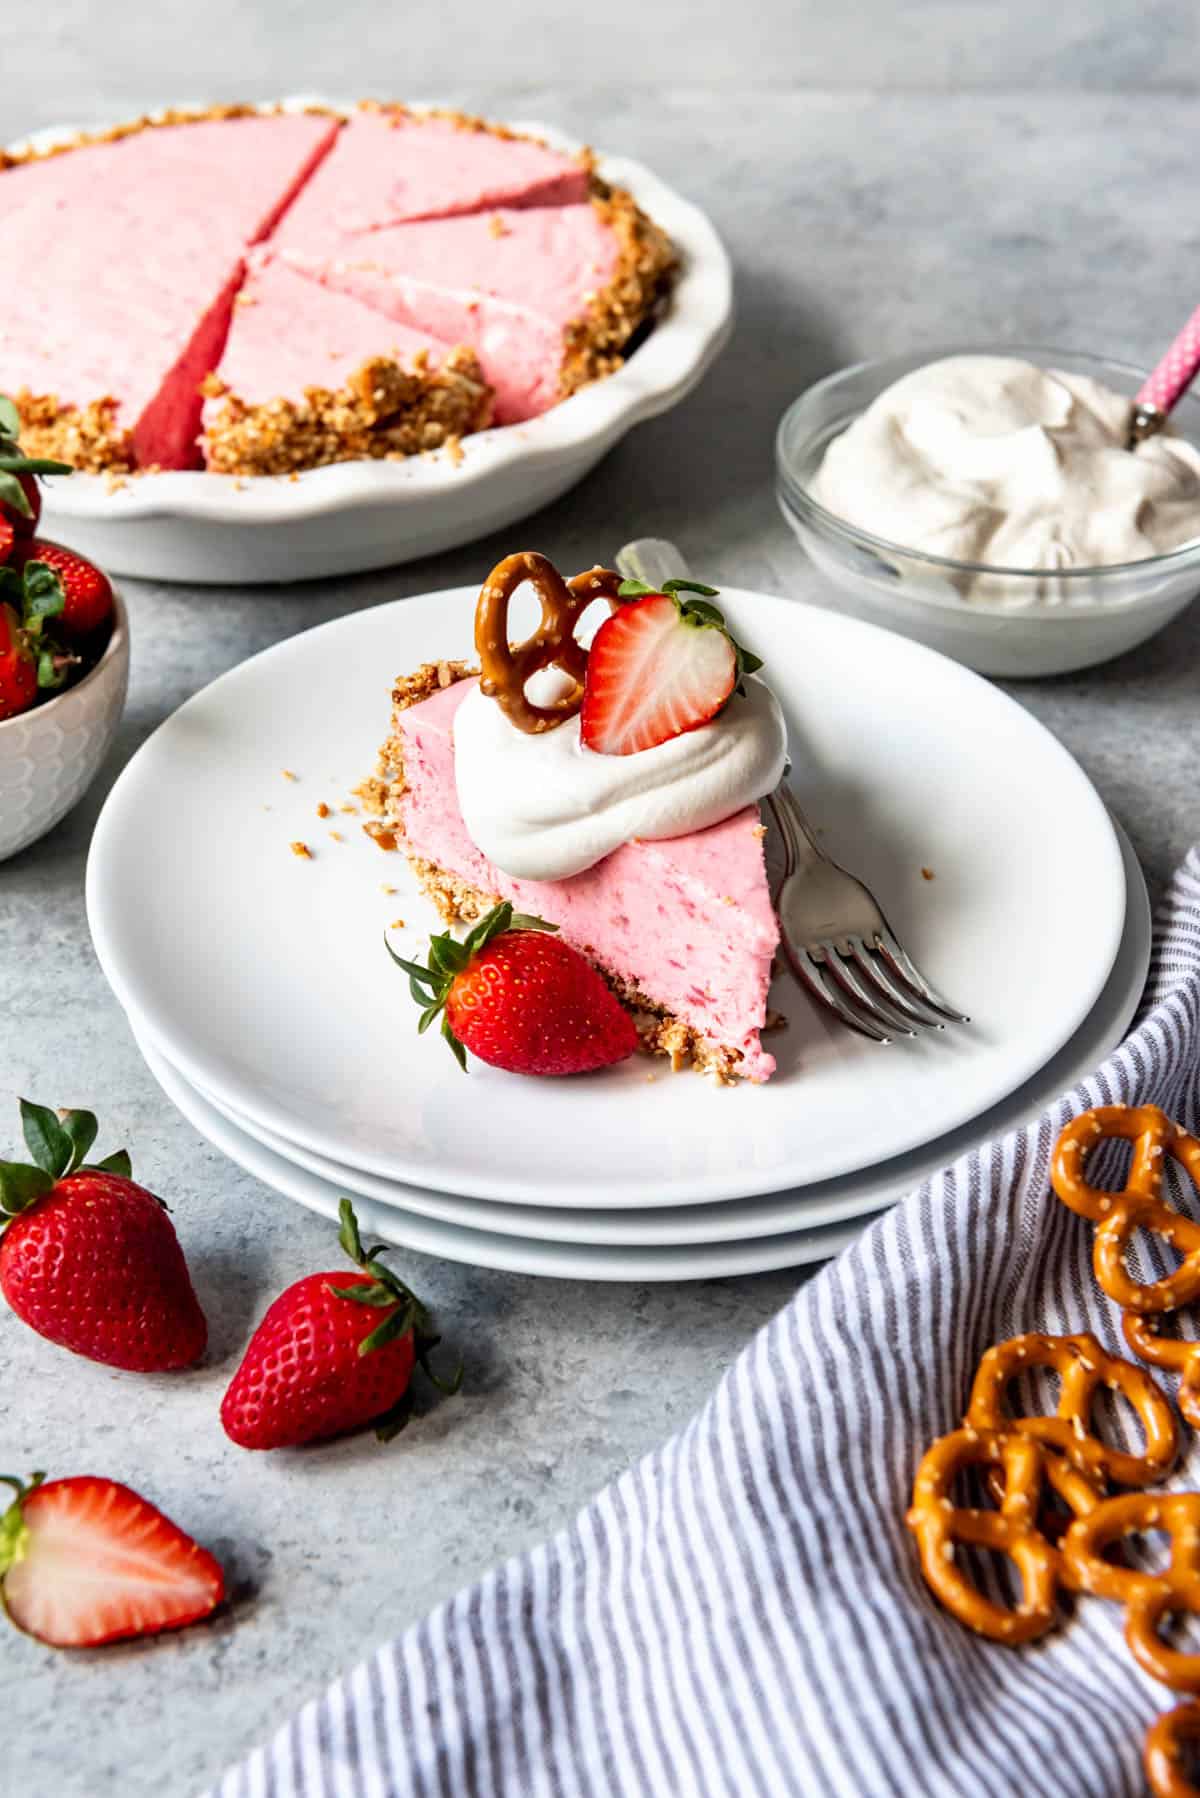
1083, 1366
1139, 1206
938, 1525
507, 667
1147, 1597
1141, 1333
1162, 1755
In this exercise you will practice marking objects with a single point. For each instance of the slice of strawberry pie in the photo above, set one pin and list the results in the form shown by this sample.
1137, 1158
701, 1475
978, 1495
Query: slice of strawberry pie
308, 377
612, 793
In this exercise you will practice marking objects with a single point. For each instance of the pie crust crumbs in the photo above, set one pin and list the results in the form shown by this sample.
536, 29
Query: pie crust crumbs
646, 267
88, 438
456, 901
384, 411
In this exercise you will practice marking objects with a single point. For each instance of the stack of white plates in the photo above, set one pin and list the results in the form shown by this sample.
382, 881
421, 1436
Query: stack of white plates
259, 989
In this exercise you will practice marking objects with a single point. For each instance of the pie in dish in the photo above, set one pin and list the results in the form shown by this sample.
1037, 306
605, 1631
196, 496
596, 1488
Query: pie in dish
596, 841
258, 292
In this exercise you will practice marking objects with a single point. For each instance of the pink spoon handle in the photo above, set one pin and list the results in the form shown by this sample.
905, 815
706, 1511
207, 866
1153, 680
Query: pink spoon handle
1174, 373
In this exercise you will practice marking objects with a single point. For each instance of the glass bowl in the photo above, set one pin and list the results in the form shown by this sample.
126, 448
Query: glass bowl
1009, 626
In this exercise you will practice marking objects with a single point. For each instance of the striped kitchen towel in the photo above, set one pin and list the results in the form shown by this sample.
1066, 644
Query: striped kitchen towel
741, 1613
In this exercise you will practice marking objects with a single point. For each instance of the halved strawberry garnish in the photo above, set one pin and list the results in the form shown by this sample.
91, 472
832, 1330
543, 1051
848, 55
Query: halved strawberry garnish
85, 1561
658, 668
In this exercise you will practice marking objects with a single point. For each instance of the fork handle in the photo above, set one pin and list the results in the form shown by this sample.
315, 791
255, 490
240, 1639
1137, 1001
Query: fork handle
653, 560
802, 846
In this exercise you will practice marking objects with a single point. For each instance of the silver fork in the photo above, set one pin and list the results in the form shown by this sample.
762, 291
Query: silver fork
837, 941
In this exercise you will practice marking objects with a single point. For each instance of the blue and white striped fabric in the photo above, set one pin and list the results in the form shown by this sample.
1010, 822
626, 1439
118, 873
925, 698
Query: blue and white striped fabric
741, 1613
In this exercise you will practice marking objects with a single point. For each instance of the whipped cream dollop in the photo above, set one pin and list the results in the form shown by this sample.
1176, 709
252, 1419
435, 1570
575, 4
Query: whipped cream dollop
543, 807
991, 459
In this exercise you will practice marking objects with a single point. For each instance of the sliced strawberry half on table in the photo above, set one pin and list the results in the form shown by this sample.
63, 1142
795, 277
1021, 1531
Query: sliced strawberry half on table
659, 667
85, 1561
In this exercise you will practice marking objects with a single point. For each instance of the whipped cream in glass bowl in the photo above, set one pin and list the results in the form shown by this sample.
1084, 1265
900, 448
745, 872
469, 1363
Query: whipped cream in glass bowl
987, 505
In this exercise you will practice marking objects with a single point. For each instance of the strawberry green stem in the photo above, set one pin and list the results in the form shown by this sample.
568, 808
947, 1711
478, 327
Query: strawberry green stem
385, 1289
14, 1531
430, 986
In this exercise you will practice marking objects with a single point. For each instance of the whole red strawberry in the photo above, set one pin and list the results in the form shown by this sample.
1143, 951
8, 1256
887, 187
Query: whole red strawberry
87, 592
659, 667
333, 1353
88, 1258
8, 537
519, 998
85, 1561
18, 666
20, 495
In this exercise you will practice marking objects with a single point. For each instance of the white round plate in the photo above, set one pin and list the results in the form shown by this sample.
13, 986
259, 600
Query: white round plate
831, 1202
486, 1248
264, 977
209, 528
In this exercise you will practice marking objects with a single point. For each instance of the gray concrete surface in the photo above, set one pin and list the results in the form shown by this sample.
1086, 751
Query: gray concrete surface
886, 177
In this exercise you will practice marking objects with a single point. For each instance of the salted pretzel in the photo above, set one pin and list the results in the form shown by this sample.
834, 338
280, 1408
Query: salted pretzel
1139, 1206
1141, 1333
1083, 1366
1163, 1753
939, 1525
1147, 1597
506, 667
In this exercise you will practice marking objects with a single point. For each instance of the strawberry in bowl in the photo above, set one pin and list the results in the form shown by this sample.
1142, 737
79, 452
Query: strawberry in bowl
64, 657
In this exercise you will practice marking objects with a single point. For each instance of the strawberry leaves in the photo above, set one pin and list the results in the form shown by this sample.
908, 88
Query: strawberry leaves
13, 464
20, 1187
701, 615
13, 495
58, 1144
13, 1530
383, 1290
37, 595
430, 986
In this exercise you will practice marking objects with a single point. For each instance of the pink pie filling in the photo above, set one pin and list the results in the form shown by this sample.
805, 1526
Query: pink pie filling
506, 283
128, 300
288, 334
389, 167
520, 353
688, 921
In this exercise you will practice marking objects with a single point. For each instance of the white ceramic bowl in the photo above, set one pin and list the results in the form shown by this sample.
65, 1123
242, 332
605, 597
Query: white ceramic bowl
1098, 613
208, 528
49, 756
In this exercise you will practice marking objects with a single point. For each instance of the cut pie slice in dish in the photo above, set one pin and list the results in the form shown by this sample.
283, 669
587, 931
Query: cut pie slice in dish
308, 377
133, 246
547, 297
391, 165
683, 928
124, 297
